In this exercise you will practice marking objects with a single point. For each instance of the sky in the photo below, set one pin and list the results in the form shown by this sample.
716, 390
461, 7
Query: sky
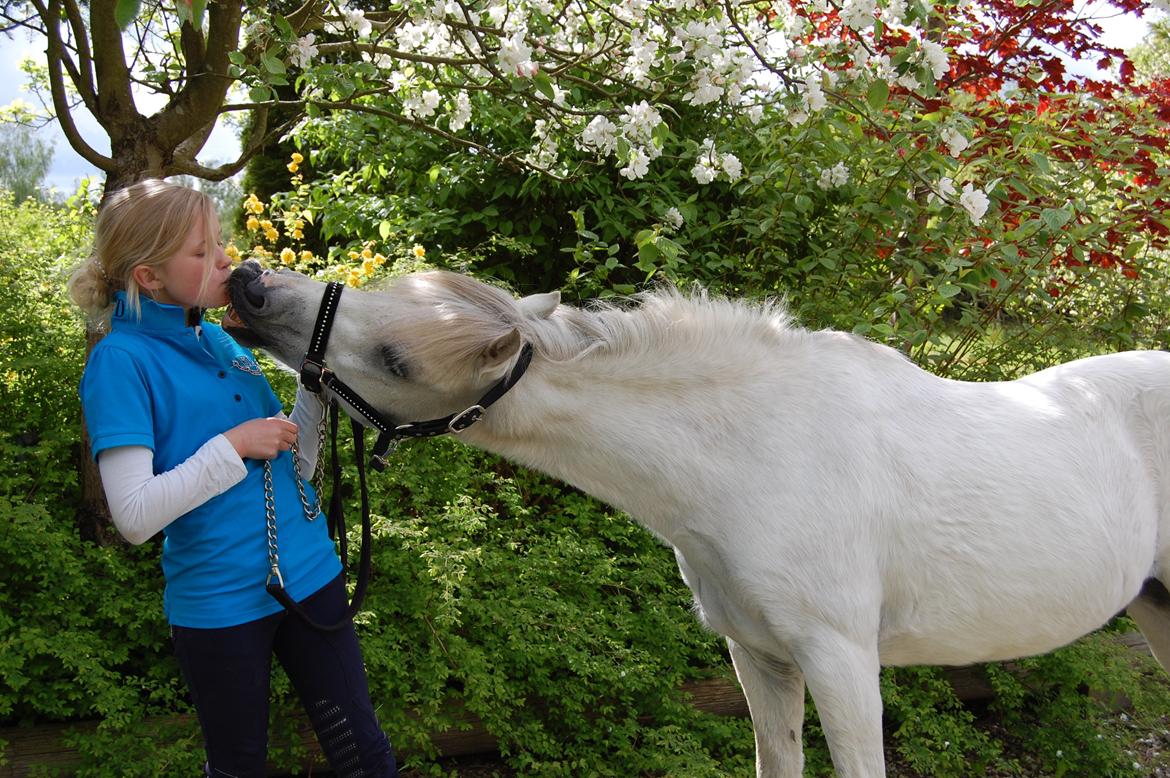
69, 168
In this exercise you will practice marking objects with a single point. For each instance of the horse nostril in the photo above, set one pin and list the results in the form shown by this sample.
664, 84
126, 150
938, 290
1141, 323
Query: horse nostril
254, 298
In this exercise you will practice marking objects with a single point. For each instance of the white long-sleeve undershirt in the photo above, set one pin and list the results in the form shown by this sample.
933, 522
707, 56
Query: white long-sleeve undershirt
142, 503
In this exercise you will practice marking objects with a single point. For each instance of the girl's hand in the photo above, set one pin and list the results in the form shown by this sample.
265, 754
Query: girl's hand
262, 438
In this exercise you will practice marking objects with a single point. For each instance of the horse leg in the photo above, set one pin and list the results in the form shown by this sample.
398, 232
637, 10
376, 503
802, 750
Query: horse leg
1151, 610
775, 697
843, 677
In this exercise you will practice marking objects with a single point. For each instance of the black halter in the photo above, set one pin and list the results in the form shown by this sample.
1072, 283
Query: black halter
316, 375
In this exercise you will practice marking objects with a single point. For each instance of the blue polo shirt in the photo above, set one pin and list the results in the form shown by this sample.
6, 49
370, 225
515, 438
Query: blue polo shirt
158, 382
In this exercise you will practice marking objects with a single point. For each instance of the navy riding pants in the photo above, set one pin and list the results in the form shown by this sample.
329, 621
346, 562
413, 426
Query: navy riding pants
227, 671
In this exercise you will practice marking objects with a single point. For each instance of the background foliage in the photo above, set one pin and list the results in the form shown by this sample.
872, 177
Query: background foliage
563, 627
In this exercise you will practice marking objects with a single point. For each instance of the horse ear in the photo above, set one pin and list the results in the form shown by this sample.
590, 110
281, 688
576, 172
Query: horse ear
500, 350
539, 306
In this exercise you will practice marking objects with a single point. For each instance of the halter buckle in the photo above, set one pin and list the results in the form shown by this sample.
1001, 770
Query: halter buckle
313, 375
465, 419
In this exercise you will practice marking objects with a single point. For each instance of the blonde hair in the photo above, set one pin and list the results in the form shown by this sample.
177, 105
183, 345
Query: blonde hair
145, 223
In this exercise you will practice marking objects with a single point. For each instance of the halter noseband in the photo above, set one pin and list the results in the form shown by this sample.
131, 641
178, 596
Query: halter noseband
316, 376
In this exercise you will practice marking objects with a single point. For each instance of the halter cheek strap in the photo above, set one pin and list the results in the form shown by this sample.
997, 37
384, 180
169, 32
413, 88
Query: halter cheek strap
316, 376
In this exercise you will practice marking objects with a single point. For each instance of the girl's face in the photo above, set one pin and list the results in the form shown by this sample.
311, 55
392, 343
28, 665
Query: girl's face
195, 277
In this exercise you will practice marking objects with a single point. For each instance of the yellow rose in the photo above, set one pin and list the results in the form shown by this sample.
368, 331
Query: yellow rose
272, 234
306, 256
379, 260
367, 254
252, 224
419, 251
368, 266
232, 252
297, 158
353, 278
292, 167
288, 256
297, 234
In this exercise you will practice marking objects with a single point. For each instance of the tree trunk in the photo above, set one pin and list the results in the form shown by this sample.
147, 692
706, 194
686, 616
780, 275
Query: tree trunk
93, 514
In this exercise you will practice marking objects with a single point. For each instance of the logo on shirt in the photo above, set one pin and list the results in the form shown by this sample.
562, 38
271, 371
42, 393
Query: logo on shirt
247, 364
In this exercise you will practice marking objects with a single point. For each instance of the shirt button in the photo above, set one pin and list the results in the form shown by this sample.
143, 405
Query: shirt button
238, 398
222, 374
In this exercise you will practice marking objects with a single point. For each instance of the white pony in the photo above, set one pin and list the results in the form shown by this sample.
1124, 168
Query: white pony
833, 507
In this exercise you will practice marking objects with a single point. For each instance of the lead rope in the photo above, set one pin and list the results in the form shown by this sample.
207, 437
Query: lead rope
311, 512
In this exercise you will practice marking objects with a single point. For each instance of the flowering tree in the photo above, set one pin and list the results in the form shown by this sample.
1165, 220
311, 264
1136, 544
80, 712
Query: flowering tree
928, 162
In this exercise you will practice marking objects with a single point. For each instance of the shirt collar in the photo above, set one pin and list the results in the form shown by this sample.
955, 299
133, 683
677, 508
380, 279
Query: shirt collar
153, 316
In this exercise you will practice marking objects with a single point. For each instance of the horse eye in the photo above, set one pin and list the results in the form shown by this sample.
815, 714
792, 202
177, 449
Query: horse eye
393, 361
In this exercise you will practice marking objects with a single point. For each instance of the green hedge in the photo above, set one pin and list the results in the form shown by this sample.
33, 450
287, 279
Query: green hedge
561, 625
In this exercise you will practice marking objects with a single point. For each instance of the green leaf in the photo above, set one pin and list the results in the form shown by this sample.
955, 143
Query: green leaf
198, 7
948, 290
1055, 218
125, 12
282, 24
272, 64
1041, 162
543, 84
878, 94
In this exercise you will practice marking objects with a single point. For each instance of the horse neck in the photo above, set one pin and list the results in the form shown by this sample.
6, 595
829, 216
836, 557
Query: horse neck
637, 426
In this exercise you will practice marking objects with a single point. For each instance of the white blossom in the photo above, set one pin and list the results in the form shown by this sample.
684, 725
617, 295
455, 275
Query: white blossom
356, 20
600, 134
894, 12
731, 166
498, 13
946, 187
637, 165
703, 171
673, 217
639, 121
544, 152
955, 140
859, 14
302, 53
410, 36
515, 55
974, 202
835, 176
421, 106
461, 113
643, 53
936, 58
814, 97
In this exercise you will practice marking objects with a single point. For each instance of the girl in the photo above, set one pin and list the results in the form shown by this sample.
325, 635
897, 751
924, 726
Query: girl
181, 421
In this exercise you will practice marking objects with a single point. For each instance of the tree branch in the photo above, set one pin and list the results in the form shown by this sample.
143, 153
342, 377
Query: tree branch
54, 55
197, 104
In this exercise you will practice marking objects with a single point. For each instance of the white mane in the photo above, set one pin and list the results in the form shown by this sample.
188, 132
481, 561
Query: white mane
652, 322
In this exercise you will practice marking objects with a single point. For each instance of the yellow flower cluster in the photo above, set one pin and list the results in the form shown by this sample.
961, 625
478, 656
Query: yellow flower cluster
295, 165
370, 262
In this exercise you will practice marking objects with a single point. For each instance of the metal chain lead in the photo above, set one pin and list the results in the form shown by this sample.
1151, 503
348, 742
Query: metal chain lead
311, 512
270, 521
